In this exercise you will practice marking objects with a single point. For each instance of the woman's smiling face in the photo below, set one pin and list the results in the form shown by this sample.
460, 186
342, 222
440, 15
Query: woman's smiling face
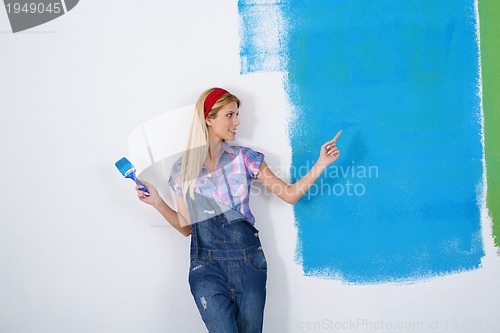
223, 126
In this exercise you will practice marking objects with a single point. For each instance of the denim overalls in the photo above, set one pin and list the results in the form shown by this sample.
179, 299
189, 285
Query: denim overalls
228, 269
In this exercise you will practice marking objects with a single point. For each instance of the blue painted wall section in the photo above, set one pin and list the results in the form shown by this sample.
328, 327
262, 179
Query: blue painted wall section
263, 36
400, 78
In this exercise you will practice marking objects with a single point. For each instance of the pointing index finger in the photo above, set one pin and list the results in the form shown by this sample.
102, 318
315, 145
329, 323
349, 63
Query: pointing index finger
336, 136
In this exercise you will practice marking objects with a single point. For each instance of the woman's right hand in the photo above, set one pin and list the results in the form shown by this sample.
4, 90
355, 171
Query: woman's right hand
153, 198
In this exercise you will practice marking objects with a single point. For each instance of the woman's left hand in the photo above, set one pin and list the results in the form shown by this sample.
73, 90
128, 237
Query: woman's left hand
329, 151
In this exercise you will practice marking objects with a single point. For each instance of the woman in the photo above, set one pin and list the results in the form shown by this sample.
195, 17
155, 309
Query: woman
211, 182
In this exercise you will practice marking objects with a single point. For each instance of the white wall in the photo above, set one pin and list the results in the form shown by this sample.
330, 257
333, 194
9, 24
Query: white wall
79, 252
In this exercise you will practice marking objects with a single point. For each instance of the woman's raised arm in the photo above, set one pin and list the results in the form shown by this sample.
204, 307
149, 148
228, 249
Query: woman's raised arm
292, 193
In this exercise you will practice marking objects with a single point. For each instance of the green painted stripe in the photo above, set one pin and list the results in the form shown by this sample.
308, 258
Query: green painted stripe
490, 62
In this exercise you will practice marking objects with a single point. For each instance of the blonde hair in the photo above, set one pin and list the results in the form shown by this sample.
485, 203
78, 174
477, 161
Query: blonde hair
197, 146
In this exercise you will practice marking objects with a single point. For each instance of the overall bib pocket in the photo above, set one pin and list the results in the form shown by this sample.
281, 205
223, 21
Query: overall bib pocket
219, 230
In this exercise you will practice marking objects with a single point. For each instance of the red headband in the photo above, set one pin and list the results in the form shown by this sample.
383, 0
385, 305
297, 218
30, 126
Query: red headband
212, 98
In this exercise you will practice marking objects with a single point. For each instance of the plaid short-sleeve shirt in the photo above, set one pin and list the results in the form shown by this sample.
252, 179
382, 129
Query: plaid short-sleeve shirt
230, 182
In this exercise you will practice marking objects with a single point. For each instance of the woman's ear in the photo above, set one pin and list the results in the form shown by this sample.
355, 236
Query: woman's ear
208, 121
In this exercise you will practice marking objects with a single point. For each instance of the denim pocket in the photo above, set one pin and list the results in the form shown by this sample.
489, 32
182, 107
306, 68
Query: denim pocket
197, 264
218, 230
257, 262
